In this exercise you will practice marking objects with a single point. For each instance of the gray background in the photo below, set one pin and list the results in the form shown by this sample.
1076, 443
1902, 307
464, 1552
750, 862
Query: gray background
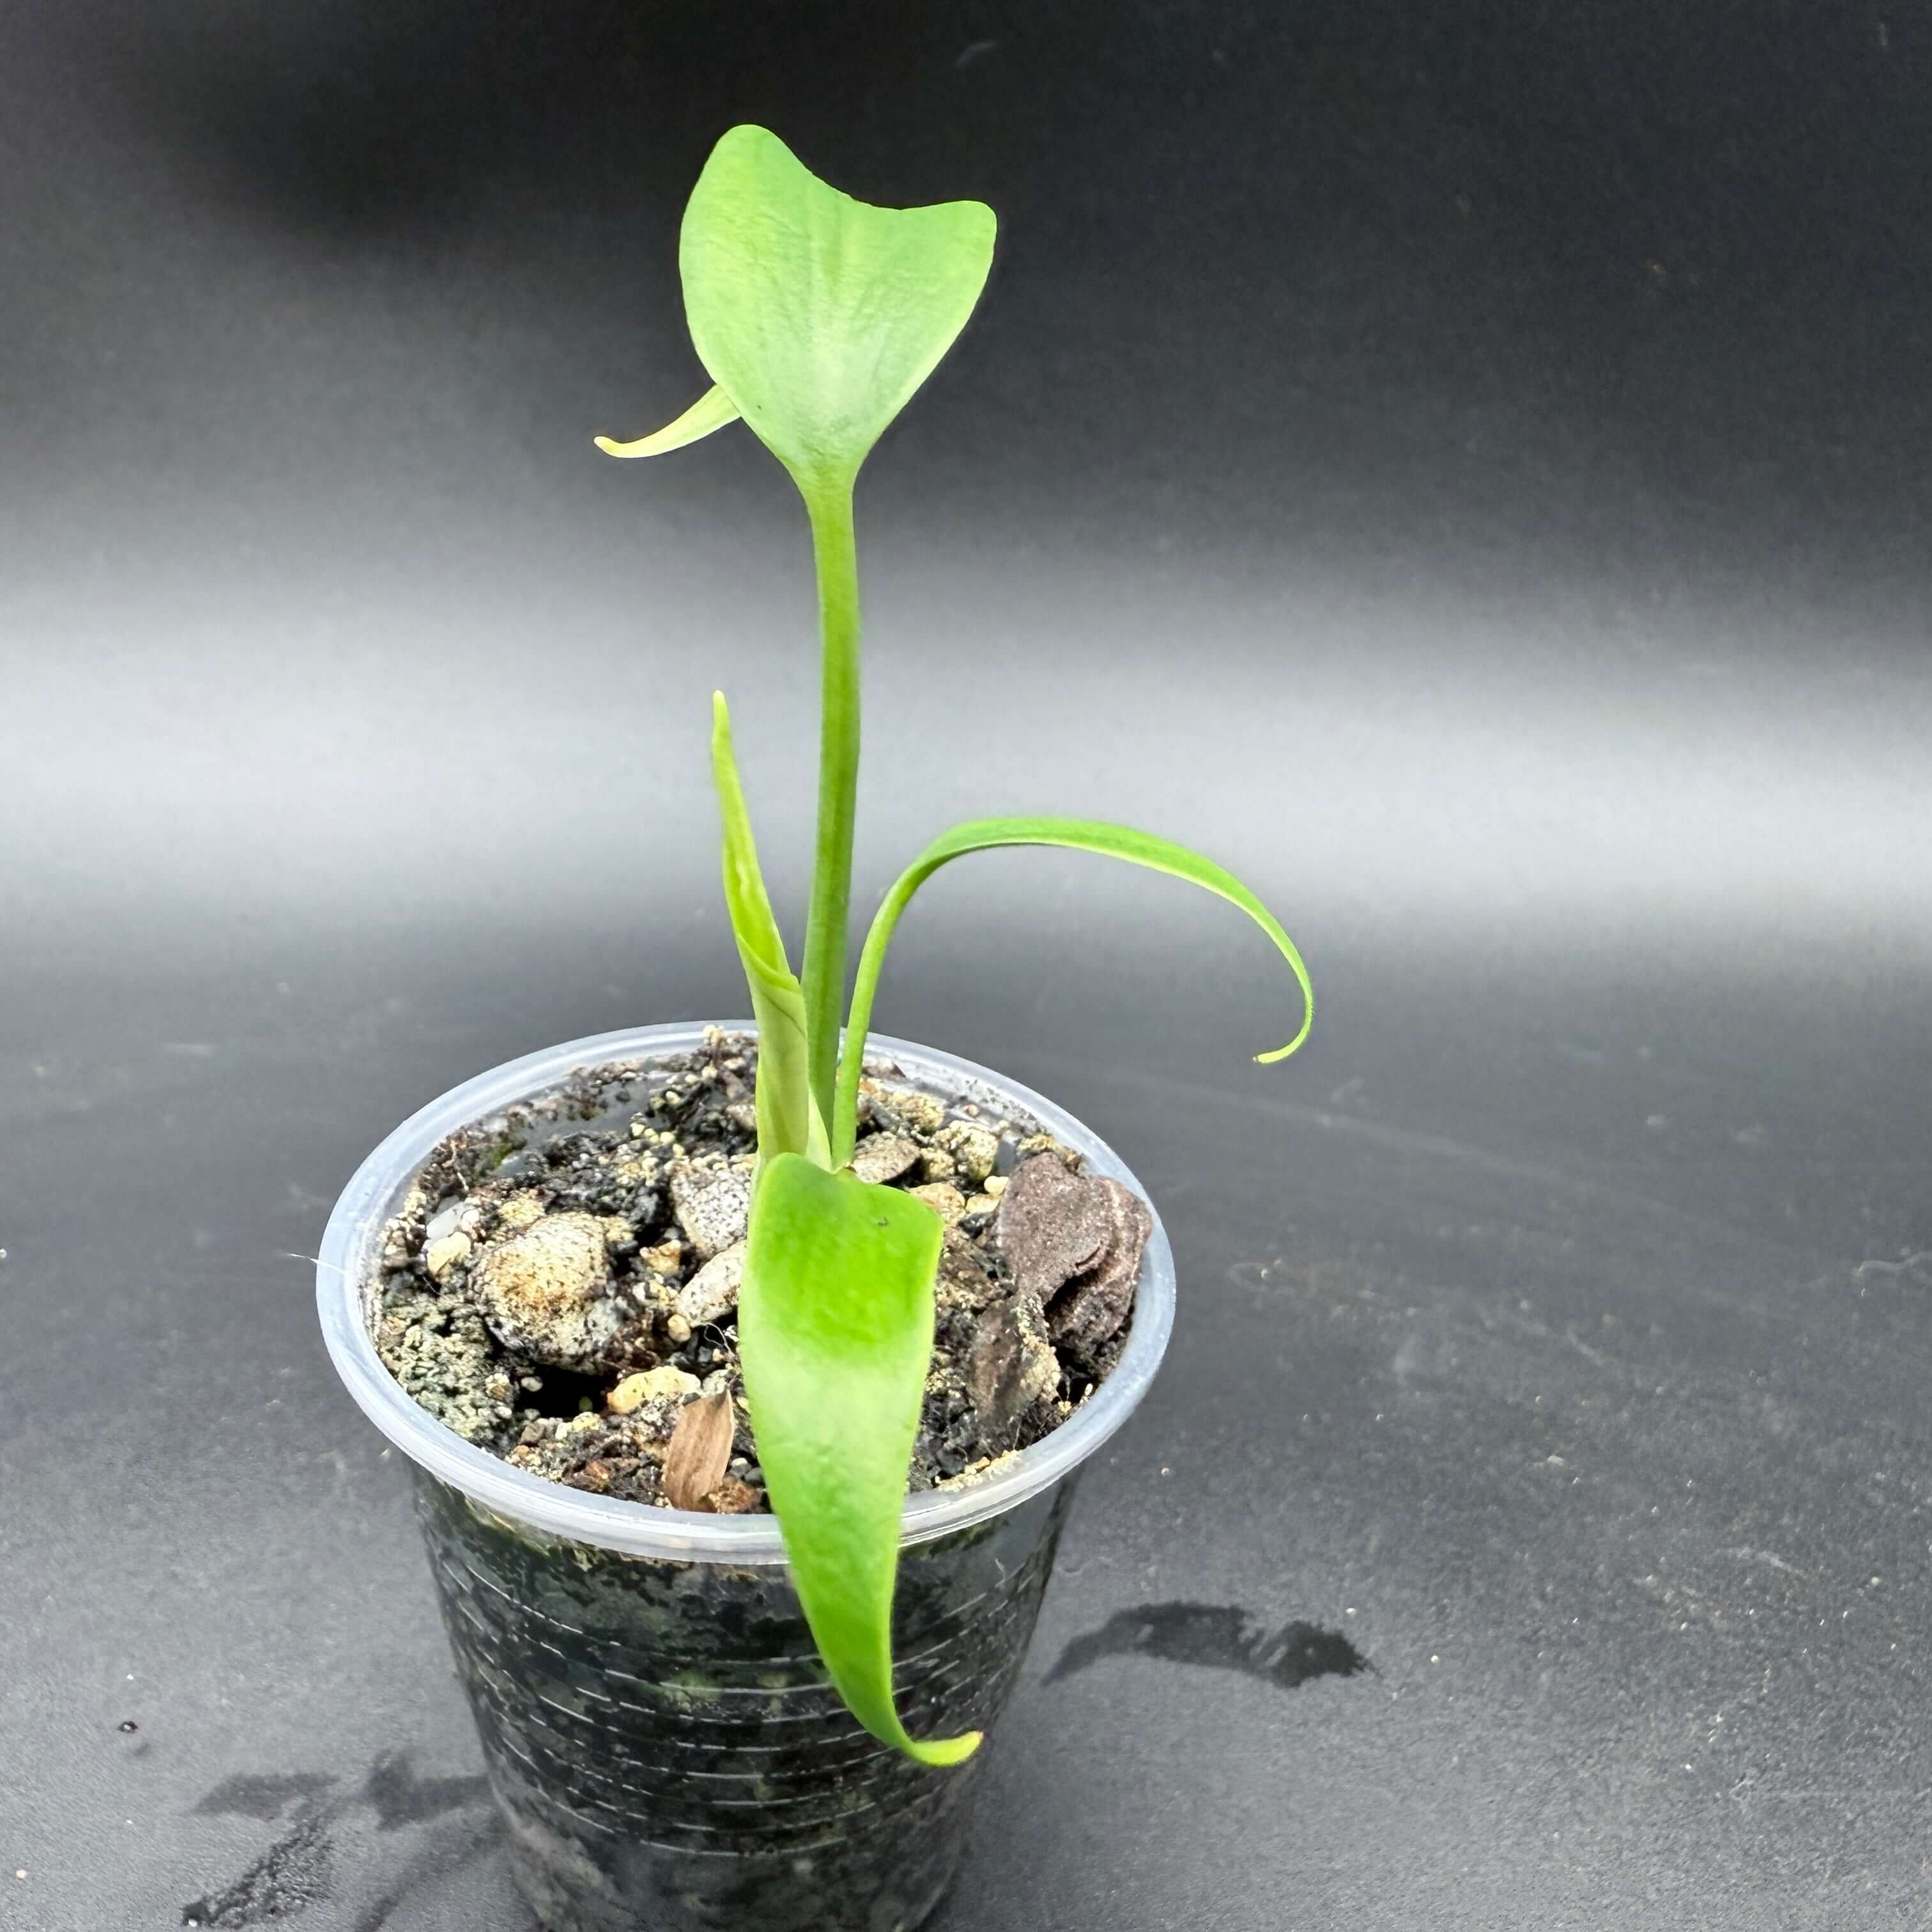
1466, 467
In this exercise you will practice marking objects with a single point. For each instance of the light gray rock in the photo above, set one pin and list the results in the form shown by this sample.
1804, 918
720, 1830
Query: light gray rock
712, 1293
441, 1355
458, 1217
713, 1206
882, 1157
546, 1291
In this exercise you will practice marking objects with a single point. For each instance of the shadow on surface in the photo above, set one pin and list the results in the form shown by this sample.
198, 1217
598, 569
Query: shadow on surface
299, 1869
1221, 1637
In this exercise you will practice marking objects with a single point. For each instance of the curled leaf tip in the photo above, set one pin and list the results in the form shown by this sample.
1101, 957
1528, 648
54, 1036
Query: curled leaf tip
712, 411
940, 1753
1295, 1046
1114, 841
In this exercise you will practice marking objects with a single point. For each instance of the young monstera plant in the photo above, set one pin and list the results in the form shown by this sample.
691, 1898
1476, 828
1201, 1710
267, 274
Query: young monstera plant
816, 317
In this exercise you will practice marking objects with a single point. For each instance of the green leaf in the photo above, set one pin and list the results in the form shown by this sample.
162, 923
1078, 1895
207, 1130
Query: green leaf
788, 1121
834, 1333
1113, 841
816, 315
712, 411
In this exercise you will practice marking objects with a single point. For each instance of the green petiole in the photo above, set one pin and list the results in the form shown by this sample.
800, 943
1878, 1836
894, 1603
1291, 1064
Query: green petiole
835, 555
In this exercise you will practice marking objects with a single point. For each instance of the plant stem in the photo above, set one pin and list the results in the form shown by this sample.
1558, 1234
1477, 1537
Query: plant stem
834, 551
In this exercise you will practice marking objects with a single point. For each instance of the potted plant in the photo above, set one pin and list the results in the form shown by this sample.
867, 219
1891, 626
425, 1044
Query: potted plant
744, 1440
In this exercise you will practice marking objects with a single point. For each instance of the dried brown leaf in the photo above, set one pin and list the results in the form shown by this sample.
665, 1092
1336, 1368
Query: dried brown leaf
699, 1451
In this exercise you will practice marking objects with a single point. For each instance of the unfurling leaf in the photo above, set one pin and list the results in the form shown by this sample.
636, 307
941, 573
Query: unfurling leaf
788, 1121
699, 1451
1083, 835
818, 315
834, 1334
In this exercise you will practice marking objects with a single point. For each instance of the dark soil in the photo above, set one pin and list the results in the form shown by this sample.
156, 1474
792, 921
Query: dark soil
561, 1281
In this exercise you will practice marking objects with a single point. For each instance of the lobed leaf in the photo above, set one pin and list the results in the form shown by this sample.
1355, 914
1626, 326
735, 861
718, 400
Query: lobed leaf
1113, 841
835, 1335
818, 315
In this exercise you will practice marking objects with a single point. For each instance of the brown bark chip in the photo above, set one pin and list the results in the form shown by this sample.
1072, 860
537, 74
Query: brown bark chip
1052, 1225
1090, 1309
1011, 1364
733, 1497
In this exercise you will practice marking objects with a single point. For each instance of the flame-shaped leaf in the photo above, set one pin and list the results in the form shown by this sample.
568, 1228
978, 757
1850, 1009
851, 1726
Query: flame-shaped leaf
835, 1335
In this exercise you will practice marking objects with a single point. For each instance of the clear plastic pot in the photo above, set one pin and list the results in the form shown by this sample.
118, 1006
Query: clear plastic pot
662, 1740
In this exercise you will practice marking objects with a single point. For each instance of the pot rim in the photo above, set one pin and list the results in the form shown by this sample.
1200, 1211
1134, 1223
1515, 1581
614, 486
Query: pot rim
351, 1246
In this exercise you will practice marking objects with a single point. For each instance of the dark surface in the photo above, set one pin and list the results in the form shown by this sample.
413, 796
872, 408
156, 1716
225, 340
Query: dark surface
1465, 468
